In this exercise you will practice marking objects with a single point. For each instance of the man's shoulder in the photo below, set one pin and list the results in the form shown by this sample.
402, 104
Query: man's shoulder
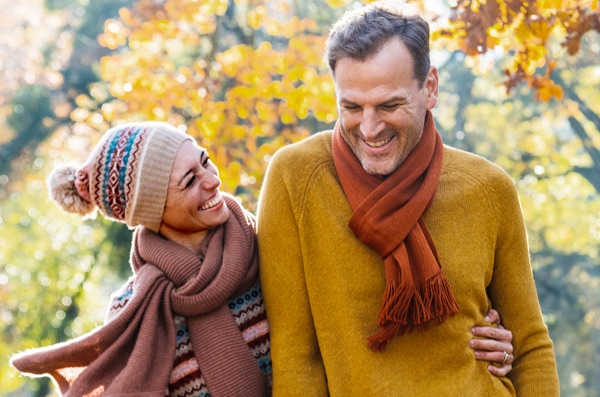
298, 170
461, 160
462, 165
310, 151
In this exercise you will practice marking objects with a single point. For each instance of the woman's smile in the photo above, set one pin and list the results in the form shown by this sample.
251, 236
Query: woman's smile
218, 199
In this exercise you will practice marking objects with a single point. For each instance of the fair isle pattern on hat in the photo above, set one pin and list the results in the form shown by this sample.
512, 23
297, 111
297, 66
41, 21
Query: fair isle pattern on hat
130, 169
115, 172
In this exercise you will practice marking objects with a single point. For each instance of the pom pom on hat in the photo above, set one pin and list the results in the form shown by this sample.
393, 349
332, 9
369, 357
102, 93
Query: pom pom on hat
126, 176
61, 183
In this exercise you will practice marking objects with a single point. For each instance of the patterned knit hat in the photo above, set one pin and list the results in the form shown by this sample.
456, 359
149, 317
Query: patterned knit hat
126, 176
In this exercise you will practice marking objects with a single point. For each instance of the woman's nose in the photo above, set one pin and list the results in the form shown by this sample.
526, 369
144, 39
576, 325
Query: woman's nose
209, 181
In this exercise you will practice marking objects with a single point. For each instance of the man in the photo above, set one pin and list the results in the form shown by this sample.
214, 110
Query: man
380, 248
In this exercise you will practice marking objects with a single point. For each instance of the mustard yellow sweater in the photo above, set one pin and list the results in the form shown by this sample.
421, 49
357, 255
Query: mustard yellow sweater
323, 287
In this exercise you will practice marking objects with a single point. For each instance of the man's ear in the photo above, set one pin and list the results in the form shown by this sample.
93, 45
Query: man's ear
431, 86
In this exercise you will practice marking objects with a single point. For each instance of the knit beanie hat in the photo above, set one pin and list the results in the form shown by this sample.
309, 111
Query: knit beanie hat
125, 177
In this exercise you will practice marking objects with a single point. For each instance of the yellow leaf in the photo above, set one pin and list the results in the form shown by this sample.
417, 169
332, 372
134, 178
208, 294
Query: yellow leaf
265, 112
556, 91
256, 17
337, 3
288, 118
114, 36
544, 94
239, 131
231, 59
242, 112
127, 17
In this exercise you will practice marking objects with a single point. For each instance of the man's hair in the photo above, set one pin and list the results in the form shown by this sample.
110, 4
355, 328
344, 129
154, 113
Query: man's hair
360, 34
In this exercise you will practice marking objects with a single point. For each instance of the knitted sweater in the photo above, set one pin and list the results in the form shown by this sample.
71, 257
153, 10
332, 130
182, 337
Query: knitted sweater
323, 287
186, 380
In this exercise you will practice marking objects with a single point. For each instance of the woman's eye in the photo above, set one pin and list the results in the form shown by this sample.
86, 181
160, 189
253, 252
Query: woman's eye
190, 181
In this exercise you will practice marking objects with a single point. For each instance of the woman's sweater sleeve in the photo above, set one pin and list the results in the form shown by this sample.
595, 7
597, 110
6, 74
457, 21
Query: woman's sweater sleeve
118, 300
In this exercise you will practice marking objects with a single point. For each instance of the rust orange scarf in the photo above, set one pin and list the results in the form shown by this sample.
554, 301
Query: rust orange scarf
388, 218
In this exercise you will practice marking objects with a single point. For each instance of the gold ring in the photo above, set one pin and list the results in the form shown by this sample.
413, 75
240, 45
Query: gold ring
505, 357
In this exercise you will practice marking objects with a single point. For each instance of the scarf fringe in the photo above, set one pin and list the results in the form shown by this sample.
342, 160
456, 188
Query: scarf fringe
417, 311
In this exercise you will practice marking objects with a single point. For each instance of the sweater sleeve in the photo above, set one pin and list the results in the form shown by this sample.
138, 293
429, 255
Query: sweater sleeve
297, 363
119, 299
512, 291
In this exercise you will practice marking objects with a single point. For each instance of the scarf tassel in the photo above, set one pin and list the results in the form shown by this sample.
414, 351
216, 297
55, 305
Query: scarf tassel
434, 303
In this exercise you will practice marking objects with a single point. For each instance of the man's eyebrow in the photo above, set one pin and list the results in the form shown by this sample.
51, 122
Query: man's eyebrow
393, 99
385, 102
346, 100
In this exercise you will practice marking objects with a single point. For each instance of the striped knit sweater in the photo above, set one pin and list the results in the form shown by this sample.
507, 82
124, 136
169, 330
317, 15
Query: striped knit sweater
186, 380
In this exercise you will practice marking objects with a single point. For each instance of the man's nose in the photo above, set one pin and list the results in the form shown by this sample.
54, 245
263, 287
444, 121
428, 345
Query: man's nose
371, 123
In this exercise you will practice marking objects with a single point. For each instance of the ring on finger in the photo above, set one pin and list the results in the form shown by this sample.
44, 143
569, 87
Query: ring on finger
506, 355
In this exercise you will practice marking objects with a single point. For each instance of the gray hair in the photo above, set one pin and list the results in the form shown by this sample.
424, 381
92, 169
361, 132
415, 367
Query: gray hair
360, 34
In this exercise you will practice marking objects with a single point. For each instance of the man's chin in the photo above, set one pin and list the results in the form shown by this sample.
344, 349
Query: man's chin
379, 167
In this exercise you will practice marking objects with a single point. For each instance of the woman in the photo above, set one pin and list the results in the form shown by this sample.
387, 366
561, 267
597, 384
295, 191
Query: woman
195, 287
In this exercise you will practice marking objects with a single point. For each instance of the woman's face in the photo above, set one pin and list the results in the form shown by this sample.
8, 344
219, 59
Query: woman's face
194, 202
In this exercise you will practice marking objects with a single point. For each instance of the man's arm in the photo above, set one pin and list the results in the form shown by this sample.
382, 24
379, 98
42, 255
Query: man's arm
297, 363
513, 293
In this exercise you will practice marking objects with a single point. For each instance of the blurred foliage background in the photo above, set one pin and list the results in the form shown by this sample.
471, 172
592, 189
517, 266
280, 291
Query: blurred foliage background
519, 85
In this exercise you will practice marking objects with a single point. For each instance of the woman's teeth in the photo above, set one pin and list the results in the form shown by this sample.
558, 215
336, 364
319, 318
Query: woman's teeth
211, 203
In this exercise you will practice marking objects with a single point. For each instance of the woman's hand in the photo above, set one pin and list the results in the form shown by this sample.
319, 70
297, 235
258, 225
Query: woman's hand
493, 344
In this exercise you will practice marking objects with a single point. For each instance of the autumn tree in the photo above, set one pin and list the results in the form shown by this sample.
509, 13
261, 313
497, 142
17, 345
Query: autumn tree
538, 41
51, 267
244, 77
519, 86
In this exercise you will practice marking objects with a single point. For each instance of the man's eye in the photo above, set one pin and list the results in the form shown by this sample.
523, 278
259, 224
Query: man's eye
206, 161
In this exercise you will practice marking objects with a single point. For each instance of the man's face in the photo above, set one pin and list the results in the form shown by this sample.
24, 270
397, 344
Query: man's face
381, 107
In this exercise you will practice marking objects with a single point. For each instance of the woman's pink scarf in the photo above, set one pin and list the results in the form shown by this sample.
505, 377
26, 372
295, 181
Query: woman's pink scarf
134, 353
